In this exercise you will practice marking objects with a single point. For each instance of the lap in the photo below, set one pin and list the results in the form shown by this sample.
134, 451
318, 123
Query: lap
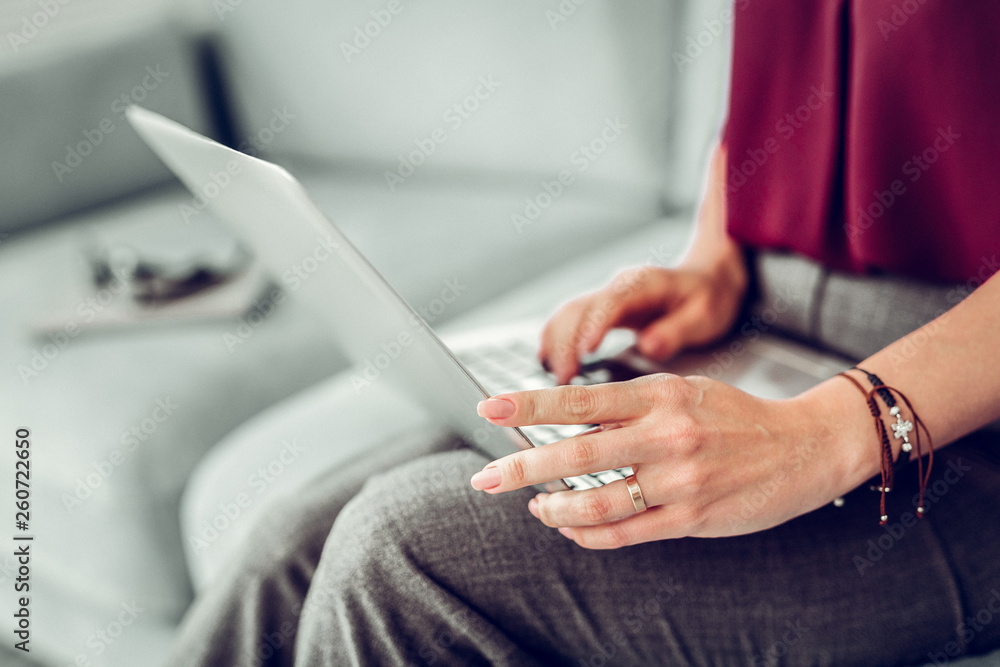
419, 549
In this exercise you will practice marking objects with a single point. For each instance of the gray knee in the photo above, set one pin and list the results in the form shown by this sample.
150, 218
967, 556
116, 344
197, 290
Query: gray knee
400, 528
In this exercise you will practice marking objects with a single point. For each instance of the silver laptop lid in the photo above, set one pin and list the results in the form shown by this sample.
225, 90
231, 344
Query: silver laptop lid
266, 207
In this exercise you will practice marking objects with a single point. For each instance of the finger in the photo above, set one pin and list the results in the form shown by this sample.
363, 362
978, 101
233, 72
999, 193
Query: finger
631, 300
557, 351
666, 336
610, 402
579, 455
585, 508
653, 524
603, 313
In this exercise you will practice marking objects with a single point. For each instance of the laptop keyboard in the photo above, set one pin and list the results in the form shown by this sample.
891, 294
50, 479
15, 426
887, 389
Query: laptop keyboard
513, 366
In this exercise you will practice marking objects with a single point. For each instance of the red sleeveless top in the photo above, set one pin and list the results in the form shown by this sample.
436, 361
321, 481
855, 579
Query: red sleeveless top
865, 133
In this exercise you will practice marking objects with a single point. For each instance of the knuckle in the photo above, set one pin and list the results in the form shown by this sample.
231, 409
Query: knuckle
579, 402
615, 537
686, 434
655, 390
581, 454
564, 350
515, 472
625, 278
595, 318
526, 407
689, 479
596, 509
701, 310
689, 518
549, 514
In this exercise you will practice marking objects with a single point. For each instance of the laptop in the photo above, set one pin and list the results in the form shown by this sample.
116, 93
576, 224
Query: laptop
388, 340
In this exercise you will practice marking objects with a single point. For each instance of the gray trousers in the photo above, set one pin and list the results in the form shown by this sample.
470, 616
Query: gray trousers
413, 567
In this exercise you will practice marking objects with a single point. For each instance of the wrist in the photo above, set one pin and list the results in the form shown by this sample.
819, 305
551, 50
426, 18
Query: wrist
723, 263
837, 415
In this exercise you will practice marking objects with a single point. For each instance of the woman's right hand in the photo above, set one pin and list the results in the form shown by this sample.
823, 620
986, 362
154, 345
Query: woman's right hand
670, 309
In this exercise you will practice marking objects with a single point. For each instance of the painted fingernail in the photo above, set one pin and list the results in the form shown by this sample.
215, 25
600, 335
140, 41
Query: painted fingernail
495, 408
533, 507
566, 532
486, 479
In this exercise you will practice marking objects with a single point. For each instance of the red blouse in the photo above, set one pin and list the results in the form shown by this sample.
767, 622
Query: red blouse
864, 134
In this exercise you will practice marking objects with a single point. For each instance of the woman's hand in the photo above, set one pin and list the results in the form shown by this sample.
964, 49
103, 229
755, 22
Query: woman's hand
710, 459
669, 309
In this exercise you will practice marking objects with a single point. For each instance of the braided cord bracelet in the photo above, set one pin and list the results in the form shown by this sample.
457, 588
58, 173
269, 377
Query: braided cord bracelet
901, 430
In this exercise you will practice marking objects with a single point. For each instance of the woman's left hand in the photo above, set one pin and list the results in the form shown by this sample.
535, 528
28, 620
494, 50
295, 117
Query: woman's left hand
711, 460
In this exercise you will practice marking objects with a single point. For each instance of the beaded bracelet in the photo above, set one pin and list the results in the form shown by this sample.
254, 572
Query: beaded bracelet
901, 430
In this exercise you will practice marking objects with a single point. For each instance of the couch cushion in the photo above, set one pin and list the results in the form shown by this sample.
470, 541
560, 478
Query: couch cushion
119, 419
487, 88
65, 144
83, 394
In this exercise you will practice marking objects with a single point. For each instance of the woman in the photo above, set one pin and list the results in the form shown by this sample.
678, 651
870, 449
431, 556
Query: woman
861, 137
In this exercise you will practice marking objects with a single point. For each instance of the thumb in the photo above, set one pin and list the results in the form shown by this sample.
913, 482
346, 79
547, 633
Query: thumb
668, 335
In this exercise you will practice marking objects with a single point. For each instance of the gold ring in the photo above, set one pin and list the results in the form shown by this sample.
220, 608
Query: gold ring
637, 499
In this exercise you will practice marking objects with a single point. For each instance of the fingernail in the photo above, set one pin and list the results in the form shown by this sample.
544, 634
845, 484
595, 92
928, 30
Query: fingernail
533, 507
566, 532
486, 479
496, 408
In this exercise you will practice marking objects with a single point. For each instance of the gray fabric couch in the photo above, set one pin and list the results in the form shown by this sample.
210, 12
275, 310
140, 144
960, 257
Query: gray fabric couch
431, 133
122, 418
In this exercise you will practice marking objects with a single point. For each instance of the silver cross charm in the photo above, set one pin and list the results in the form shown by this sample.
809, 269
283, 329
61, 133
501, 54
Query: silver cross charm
901, 428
